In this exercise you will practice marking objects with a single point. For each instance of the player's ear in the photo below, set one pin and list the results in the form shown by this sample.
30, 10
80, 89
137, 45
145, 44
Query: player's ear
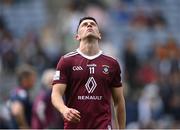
99, 36
77, 37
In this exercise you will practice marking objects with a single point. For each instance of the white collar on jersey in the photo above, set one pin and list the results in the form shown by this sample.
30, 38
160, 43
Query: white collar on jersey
89, 57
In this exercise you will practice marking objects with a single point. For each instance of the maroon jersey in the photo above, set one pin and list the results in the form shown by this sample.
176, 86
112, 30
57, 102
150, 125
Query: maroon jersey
89, 81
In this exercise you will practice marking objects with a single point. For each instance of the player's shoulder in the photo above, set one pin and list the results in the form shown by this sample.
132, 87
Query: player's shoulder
69, 57
109, 57
70, 54
18, 94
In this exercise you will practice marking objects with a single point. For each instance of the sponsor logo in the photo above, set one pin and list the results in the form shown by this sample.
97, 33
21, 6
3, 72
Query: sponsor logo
90, 85
77, 68
105, 69
57, 75
89, 97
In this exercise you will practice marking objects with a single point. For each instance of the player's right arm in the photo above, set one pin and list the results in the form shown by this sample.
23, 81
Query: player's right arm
69, 114
17, 111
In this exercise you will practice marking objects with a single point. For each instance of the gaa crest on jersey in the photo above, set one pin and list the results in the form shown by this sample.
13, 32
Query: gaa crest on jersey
105, 69
77, 68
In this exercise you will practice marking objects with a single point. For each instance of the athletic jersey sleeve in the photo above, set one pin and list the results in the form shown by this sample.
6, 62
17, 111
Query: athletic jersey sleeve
18, 98
61, 73
116, 82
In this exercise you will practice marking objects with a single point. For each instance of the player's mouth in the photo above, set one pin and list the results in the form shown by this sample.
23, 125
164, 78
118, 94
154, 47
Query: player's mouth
89, 30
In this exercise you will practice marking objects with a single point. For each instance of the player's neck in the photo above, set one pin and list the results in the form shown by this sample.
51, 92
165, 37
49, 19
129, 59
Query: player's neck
89, 47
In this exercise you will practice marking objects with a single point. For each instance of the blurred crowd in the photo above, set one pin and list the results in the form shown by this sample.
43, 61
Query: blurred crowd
142, 34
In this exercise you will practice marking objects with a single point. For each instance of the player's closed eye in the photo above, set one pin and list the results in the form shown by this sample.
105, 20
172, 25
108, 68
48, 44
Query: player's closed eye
92, 23
84, 24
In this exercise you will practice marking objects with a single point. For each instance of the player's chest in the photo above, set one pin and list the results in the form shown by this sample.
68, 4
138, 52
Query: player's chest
84, 69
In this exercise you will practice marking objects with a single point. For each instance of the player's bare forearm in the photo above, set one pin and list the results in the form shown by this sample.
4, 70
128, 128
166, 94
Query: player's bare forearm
119, 104
56, 98
121, 114
69, 114
22, 122
17, 110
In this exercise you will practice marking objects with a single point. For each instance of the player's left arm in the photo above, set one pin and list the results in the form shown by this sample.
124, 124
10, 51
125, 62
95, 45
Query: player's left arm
18, 112
119, 103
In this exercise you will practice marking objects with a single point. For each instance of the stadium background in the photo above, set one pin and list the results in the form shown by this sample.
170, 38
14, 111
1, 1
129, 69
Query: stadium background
143, 34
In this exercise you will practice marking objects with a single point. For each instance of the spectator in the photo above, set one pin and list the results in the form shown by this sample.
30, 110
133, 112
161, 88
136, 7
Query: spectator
44, 115
19, 103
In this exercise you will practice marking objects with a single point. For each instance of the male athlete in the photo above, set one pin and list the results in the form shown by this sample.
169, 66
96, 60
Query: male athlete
20, 105
88, 79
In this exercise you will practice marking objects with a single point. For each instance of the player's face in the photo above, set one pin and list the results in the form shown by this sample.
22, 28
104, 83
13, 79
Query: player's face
29, 81
88, 29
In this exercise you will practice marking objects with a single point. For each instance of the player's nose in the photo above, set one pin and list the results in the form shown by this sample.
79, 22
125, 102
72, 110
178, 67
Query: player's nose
89, 25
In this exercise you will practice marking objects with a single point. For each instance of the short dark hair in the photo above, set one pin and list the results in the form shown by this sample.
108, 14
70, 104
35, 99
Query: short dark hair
85, 18
24, 71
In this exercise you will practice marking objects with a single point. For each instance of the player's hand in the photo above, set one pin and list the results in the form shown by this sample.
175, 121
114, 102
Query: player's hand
71, 115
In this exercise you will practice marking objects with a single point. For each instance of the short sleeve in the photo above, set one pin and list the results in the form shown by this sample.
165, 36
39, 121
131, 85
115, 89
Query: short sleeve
20, 95
61, 73
116, 82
